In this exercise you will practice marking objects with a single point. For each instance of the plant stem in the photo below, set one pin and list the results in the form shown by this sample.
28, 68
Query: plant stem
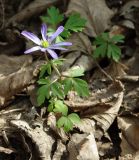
103, 71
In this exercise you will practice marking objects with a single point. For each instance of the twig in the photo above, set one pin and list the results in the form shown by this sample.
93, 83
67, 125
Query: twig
103, 71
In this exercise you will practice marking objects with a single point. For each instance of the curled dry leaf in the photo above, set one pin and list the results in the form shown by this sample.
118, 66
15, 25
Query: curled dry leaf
126, 13
92, 108
43, 142
16, 73
60, 151
128, 8
83, 146
129, 126
96, 13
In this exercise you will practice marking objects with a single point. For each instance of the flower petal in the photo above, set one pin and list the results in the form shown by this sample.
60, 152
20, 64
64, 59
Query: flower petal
52, 53
59, 48
44, 31
54, 35
62, 44
31, 36
32, 49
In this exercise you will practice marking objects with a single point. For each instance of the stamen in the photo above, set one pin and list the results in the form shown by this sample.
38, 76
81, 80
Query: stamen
45, 44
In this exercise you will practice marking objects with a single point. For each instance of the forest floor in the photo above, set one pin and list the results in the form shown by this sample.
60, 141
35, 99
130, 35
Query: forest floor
109, 128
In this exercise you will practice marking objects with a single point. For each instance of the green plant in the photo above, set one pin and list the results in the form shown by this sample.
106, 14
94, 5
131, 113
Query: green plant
74, 23
54, 89
106, 46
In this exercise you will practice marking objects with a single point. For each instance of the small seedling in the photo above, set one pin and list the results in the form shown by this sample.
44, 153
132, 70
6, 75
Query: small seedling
106, 46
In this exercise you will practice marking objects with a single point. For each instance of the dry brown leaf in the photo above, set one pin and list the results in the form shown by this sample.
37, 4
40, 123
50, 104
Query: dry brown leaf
42, 141
16, 73
114, 70
33, 8
133, 65
128, 8
99, 119
82, 146
102, 97
61, 148
104, 120
79, 53
129, 126
96, 13
86, 126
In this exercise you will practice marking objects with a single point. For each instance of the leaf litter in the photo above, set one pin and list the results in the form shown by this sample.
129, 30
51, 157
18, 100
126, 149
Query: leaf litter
111, 104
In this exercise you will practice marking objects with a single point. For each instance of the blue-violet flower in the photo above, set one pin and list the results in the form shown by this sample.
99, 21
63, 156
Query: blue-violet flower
46, 44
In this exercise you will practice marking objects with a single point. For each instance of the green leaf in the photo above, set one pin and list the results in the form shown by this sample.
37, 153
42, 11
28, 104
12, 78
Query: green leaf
74, 118
57, 90
67, 82
118, 38
66, 33
42, 94
99, 40
61, 121
66, 123
54, 17
60, 107
45, 68
100, 51
105, 36
76, 71
57, 62
44, 90
116, 52
81, 87
40, 99
43, 81
106, 46
75, 23
50, 106
110, 51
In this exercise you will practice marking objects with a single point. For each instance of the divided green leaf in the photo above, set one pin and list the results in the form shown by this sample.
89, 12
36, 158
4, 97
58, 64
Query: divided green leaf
100, 51
57, 62
67, 82
76, 71
74, 118
106, 46
57, 90
66, 123
118, 38
81, 87
60, 107
43, 92
45, 68
53, 16
75, 23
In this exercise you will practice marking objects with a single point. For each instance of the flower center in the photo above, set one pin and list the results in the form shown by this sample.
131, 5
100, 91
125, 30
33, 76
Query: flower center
45, 44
